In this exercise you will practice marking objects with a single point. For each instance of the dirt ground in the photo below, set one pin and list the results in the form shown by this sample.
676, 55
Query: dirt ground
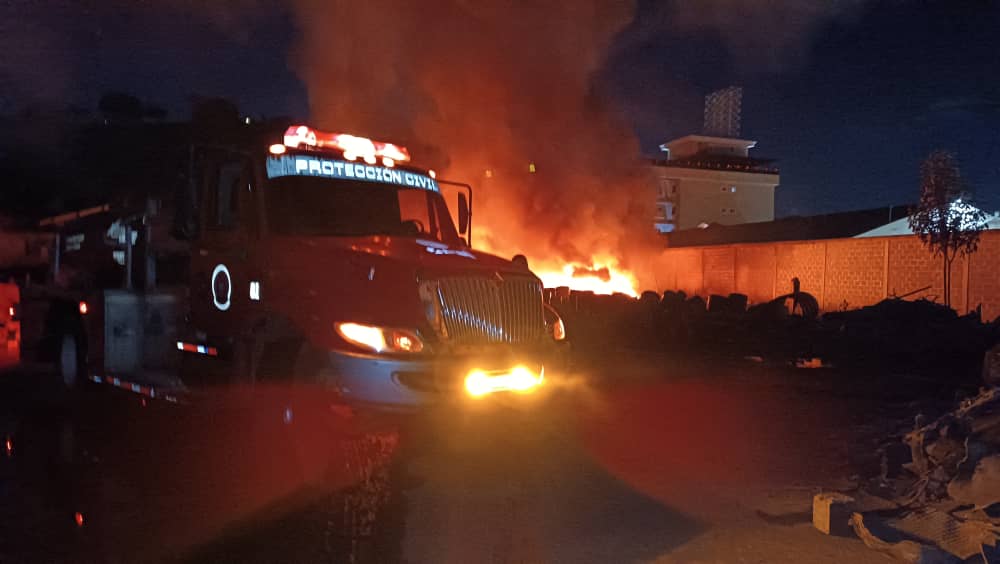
655, 461
629, 459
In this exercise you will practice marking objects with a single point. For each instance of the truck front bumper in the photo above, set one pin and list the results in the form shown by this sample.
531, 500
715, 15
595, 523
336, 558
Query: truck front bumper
396, 382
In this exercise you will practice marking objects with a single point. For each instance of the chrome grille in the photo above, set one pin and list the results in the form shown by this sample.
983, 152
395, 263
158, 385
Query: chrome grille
495, 310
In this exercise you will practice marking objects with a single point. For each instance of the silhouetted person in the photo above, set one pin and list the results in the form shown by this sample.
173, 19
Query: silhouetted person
796, 288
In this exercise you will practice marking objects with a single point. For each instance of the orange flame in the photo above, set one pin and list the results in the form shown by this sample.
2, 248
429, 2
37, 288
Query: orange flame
596, 278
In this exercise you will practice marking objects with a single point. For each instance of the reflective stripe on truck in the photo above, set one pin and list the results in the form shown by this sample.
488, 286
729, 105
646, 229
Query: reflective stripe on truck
147, 391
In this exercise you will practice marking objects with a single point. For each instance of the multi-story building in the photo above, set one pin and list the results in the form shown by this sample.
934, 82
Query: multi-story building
710, 178
701, 180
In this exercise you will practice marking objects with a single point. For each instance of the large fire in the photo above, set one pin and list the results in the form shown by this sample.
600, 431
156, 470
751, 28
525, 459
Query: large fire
604, 274
599, 279
515, 112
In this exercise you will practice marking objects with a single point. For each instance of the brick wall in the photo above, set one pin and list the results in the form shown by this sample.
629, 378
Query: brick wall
805, 261
755, 266
984, 279
855, 272
688, 271
719, 267
912, 268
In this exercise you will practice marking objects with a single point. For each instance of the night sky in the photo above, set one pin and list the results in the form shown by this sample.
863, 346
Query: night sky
848, 100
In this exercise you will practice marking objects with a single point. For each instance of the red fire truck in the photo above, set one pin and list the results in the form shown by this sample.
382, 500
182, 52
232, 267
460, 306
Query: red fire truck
308, 257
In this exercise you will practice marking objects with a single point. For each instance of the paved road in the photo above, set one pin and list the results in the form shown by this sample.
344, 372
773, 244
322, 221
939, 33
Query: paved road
650, 461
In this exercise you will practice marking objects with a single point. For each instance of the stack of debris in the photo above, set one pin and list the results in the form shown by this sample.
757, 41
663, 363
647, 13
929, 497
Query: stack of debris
958, 455
917, 334
947, 501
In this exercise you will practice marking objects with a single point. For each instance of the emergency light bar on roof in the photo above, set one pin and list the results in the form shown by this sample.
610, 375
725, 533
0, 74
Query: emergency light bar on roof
353, 147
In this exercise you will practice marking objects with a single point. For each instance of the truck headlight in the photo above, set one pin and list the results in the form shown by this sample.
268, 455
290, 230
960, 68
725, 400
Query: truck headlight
554, 322
519, 379
558, 330
380, 339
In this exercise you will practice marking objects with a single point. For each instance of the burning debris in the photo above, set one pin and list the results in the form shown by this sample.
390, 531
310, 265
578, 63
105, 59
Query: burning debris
595, 279
601, 273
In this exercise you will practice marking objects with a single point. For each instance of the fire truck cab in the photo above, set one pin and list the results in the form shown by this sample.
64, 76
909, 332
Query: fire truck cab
329, 259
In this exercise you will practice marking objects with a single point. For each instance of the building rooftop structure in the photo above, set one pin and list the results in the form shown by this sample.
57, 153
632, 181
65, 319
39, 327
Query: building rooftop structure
710, 177
797, 228
902, 226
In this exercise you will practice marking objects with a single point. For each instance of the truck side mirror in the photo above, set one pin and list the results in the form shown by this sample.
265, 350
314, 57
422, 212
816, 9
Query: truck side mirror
463, 213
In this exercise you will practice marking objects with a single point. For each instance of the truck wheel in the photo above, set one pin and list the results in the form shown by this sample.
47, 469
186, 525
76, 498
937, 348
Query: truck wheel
276, 363
69, 362
287, 374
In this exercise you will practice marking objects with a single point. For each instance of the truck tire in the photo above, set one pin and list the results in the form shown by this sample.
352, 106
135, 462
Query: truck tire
276, 362
286, 376
68, 362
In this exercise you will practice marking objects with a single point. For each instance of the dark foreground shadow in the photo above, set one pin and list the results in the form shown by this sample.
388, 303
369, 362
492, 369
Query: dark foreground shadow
522, 489
116, 479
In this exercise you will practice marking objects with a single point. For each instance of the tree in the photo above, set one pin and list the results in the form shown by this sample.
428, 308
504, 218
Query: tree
947, 223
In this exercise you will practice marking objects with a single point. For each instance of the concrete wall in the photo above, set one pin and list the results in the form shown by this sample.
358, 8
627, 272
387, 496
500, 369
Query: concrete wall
704, 195
705, 201
841, 273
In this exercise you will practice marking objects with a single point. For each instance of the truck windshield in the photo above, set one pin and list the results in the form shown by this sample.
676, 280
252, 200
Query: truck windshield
302, 205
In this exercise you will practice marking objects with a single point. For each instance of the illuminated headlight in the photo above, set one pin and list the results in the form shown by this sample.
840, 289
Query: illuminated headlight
380, 339
558, 330
519, 379
554, 323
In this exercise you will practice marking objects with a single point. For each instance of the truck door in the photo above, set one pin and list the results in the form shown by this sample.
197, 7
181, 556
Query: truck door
221, 257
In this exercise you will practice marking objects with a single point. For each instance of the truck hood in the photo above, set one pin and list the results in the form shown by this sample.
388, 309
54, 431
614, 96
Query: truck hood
365, 279
425, 256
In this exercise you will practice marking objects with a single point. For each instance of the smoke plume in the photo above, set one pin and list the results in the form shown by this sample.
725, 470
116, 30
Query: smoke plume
486, 91
761, 36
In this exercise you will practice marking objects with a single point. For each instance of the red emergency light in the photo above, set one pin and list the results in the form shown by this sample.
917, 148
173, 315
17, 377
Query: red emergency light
352, 146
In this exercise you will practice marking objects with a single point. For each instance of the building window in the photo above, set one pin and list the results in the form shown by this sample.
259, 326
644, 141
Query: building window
665, 212
732, 189
666, 188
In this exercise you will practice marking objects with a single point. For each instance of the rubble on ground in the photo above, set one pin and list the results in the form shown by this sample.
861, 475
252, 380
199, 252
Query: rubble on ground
958, 455
943, 478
